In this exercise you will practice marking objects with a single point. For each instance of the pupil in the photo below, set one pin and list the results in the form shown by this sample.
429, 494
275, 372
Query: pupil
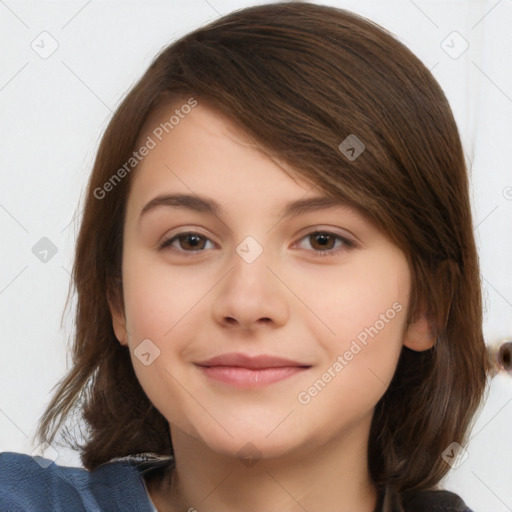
192, 240
323, 240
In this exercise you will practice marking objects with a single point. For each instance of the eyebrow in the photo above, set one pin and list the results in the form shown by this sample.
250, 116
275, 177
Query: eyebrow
205, 205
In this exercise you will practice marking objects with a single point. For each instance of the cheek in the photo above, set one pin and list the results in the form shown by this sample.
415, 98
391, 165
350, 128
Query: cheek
363, 313
359, 365
368, 291
161, 307
158, 297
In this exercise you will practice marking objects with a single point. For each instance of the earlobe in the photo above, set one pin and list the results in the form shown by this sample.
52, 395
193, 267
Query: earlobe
419, 335
118, 319
118, 323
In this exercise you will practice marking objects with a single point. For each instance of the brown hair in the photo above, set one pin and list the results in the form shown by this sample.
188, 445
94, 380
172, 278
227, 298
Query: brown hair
299, 78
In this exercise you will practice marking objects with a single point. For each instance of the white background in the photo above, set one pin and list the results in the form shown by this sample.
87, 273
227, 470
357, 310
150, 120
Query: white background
54, 110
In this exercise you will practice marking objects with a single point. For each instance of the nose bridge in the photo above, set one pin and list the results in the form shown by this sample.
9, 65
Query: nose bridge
249, 267
251, 292
249, 250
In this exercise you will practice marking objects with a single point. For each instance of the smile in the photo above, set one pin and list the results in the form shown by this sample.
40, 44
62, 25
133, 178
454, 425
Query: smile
246, 371
248, 377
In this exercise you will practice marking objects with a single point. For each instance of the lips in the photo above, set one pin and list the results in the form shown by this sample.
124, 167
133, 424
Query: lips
244, 371
251, 362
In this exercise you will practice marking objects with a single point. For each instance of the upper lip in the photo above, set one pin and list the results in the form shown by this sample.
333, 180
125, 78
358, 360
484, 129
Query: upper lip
252, 362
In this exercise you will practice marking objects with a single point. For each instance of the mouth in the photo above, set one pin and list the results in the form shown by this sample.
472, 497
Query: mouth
243, 371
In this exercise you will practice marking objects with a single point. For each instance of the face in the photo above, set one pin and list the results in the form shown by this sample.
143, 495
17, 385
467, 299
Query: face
319, 291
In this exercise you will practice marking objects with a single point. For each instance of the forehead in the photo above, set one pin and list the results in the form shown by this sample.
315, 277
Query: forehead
206, 151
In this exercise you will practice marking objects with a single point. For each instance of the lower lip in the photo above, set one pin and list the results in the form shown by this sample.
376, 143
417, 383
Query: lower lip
248, 378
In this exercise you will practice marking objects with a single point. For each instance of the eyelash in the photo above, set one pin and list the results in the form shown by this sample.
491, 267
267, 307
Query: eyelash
347, 243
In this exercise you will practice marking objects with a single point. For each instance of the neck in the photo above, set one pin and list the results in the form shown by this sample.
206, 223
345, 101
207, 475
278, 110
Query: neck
330, 476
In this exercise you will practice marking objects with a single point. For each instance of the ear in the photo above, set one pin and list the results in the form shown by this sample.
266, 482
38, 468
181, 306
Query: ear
115, 303
419, 334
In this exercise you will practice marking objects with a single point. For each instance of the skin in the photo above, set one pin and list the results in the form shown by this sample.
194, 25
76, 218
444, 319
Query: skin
292, 301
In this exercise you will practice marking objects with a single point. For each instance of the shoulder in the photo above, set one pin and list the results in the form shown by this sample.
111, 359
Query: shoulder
435, 501
33, 483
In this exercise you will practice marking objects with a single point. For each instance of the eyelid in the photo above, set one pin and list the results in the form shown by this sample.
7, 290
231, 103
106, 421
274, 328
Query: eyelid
347, 242
168, 240
331, 230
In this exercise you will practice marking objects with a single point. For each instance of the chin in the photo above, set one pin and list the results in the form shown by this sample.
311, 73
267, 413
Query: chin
251, 441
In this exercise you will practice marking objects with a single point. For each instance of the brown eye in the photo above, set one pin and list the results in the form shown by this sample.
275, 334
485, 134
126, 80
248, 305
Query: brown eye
186, 242
191, 241
325, 243
322, 241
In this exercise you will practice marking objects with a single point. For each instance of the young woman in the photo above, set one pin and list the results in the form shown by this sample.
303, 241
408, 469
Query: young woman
278, 293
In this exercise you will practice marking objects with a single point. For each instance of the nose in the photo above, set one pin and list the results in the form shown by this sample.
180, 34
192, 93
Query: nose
251, 295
